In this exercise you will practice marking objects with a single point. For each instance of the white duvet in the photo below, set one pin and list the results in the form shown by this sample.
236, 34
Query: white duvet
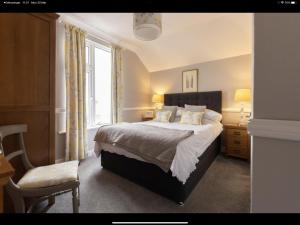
188, 150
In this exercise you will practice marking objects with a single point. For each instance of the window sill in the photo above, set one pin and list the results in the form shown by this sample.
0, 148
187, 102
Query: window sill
93, 127
89, 128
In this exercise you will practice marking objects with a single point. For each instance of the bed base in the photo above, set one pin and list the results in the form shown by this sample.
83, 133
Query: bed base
155, 179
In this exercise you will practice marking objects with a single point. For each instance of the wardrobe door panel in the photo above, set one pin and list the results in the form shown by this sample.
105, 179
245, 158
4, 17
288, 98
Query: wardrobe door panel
25, 60
7, 59
33, 59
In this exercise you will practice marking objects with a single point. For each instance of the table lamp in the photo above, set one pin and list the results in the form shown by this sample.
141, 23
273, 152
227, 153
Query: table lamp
242, 96
157, 99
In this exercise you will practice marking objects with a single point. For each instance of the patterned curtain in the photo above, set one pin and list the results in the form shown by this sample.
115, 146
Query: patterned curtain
117, 84
75, 91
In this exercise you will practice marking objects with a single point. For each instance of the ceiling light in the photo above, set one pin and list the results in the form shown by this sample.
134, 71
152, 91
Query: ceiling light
147, 26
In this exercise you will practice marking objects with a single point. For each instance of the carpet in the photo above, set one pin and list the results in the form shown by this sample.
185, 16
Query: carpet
224, 188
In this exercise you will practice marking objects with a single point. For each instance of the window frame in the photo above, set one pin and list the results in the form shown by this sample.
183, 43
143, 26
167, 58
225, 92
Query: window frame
93, 43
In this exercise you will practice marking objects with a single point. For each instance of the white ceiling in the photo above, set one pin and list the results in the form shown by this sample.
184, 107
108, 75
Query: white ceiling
187, 38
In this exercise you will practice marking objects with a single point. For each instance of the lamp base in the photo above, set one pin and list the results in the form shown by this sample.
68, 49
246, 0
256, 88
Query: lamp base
243, 121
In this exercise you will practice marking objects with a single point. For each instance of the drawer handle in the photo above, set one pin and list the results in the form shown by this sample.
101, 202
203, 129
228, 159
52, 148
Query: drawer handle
237, 142
237, 133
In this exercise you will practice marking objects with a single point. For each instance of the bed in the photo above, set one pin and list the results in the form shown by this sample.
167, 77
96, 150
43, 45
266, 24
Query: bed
153, 177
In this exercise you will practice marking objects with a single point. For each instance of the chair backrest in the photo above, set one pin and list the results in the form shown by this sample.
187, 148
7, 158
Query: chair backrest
11, 130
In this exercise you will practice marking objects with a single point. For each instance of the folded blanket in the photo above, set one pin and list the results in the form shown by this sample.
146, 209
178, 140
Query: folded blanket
154, 144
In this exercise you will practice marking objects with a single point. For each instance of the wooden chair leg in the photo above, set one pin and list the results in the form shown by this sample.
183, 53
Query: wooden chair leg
75, 201
19, 204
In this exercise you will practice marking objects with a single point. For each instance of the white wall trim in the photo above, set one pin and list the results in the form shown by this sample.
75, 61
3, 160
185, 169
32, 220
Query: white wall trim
138, 108
63, 131
89, 152
277, 129
233, 110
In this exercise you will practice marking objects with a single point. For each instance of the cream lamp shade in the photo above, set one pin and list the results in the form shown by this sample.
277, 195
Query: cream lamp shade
157, 98
147, 26
242, 95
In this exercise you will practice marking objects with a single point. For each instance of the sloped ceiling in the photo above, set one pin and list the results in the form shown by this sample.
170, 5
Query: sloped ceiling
187, 38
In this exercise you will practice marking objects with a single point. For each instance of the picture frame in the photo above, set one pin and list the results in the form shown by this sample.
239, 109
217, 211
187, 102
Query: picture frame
190, 80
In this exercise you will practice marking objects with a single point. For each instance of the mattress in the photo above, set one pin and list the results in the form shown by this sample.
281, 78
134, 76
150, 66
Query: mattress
187, 151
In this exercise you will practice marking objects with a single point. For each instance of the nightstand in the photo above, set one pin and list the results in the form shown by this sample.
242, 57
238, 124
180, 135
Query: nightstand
147, 118
237, 141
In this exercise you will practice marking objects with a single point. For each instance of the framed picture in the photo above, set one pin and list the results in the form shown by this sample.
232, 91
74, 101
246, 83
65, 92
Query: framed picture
190, 81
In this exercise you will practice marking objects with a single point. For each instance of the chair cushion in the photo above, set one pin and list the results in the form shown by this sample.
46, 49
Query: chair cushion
46, 176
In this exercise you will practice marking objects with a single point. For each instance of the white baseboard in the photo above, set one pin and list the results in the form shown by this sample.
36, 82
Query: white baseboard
89, 153
59, 160
278, 129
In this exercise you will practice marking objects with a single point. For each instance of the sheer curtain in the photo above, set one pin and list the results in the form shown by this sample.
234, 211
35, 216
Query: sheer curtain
75, 92
117, 81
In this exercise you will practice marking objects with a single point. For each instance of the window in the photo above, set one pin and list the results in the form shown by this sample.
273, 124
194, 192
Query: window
98, 83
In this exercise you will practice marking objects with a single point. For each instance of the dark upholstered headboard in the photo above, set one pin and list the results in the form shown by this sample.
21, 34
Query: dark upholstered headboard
212, 99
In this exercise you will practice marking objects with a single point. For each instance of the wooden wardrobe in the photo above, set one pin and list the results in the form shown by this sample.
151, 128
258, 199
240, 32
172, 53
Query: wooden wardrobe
27, 83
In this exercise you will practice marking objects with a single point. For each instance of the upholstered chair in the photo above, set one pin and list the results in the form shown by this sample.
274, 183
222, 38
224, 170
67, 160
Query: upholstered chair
39, 183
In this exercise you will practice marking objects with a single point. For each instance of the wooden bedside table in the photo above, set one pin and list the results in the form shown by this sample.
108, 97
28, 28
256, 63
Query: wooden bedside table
237, 141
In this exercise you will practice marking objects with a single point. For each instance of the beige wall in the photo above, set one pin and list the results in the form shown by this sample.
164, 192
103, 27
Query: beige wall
225, 74
136, 87
275, 162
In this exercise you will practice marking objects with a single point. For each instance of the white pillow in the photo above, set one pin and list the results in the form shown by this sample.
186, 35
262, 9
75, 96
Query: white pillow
177, 119
195, 108
163, 116
212, 115
193, 118
179, 111
173, 109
